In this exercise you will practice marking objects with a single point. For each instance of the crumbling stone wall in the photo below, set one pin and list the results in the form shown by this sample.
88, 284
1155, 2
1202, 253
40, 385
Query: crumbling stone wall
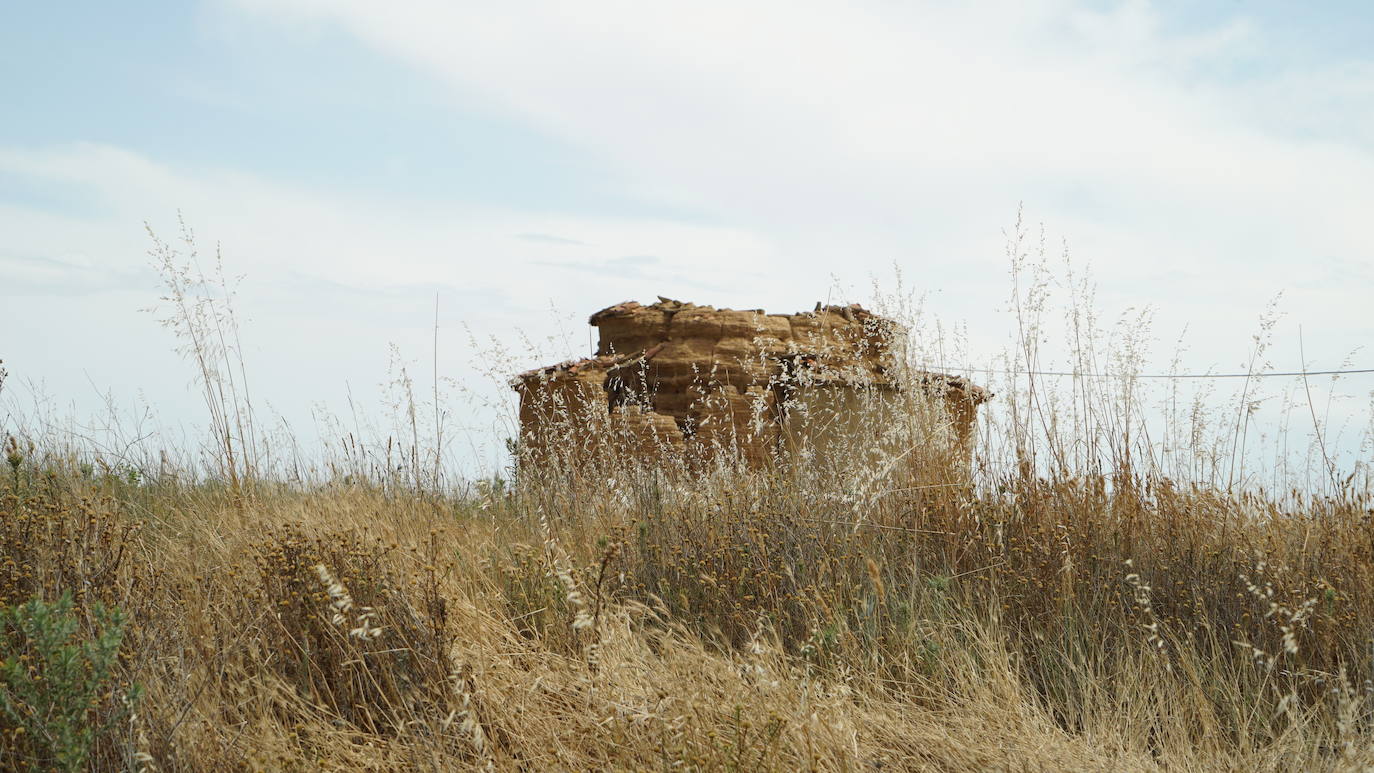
675, 378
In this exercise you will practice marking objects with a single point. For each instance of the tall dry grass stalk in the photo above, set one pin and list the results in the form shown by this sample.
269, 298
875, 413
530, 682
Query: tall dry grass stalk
200, 312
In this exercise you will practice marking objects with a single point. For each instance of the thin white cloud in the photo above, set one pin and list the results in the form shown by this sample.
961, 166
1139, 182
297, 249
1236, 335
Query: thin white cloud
763, 94
862, 133
346, 238
549, 239
75, 275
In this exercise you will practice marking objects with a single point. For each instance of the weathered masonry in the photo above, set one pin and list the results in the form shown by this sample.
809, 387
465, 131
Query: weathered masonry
678, 378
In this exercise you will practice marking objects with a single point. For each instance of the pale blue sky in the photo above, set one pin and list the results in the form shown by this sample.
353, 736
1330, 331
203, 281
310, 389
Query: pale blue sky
194, 84
354, 159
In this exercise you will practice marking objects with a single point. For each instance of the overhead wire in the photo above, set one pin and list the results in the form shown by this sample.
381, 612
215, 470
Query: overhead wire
1257, 374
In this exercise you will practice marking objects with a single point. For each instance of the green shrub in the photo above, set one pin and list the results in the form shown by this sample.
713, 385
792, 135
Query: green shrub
57, 688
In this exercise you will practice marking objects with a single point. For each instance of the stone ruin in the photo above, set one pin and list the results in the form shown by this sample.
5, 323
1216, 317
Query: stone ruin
678, 380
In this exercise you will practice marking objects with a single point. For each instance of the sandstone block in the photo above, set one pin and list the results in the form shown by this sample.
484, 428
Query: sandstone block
674, 377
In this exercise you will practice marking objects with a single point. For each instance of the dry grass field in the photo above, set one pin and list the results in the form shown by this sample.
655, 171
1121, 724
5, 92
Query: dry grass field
1072, 602
731, 624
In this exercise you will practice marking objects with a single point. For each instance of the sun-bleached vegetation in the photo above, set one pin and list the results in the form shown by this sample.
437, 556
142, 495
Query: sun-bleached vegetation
1102, 585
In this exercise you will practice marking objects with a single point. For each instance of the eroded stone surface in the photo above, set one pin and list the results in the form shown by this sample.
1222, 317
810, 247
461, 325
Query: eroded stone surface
674, 377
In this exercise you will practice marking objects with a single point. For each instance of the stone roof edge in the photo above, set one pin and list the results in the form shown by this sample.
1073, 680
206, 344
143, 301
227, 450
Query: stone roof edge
852, 312
607, 362
978, 395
